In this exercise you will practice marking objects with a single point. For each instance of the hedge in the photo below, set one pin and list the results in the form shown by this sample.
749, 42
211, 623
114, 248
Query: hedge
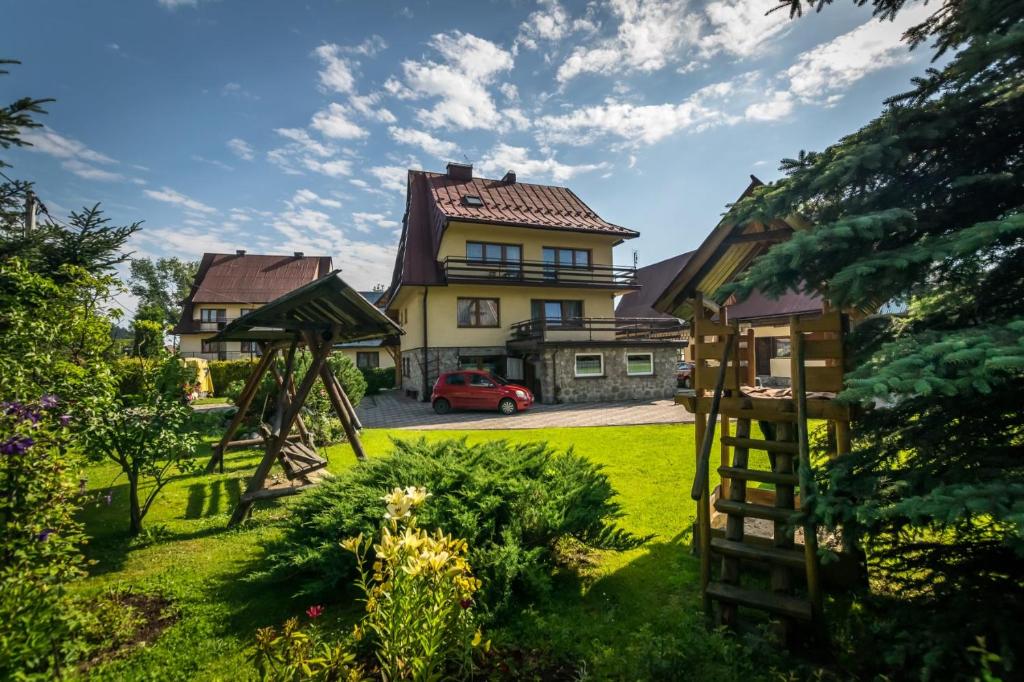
378, 379
224, 372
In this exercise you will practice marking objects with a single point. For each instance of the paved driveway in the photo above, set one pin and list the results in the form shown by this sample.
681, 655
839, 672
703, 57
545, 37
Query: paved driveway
393, 411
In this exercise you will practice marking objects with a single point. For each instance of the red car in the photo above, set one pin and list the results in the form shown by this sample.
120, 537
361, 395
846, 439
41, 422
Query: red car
474, 389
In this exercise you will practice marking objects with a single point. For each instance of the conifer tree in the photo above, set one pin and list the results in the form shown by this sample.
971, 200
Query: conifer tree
925, 204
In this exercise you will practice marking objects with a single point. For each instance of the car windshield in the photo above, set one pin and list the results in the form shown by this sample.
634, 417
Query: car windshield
499, 380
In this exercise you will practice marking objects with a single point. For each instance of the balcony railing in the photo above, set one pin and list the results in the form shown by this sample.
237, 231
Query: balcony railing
538, 272
213, 325
222, 355
598, 329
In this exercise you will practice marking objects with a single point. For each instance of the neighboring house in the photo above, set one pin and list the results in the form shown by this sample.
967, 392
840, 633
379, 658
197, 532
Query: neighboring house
375, 353
518, 278
229, 285
653, 279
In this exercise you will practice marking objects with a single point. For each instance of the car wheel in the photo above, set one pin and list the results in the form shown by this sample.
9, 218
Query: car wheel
507, 406
442, 406
686, 382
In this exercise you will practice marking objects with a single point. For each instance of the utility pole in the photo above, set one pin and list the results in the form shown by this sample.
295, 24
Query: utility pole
30, 212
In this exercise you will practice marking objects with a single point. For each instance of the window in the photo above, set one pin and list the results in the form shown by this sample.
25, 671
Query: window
480, 380
245, 311
639, 364
567, 258
560, 313
589, 365
210, 347
780, 348
406, 367
478, 312
456, 380
472, 201
249, 347
213, 314
494, 253
368, 359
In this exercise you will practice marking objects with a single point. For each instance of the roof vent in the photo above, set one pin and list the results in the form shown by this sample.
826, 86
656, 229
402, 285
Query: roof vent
510, 178
299, 254
472, 200
460, 171
240, 252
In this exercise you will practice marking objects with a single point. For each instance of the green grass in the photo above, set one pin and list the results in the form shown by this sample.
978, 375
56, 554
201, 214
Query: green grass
192, 558
214, 400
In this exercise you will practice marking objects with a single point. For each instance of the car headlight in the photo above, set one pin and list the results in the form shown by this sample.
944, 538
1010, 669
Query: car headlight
521, 394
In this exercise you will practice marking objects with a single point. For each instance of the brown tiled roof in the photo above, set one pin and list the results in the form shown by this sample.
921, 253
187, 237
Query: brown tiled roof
517, 203
759, 306
653, 279
237, 278
432, 199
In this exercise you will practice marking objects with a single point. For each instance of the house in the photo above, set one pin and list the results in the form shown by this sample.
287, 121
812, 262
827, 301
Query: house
759, 315
228, 286
518, 278
373, 353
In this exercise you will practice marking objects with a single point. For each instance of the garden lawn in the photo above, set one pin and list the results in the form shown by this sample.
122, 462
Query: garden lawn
634, 614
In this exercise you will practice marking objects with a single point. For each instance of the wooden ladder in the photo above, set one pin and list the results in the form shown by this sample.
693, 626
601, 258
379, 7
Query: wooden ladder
790, 568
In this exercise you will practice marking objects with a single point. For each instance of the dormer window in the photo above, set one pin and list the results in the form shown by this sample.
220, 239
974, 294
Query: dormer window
472, 200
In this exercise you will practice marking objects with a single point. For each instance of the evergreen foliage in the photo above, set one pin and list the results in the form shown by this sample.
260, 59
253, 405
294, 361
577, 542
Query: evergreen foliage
513, 503
926, 204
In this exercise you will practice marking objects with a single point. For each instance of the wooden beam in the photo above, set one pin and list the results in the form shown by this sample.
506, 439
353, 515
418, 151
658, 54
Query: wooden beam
244, 401
768, 236
307, 438
336, 394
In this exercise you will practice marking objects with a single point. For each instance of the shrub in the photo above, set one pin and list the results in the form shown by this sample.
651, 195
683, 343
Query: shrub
419, 595
514, 504
297, 654
378, 379
224, 372
132, 374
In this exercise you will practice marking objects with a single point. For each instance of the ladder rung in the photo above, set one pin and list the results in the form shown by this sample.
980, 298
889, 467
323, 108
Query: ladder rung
794, 558
759, 476
757, 511
781, 604
757, 444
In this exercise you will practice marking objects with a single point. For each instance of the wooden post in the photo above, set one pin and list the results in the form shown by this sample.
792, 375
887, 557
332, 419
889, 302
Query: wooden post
244, 401
283, 425
336, 394
349, 407
751, 359
806, 477
307, 438
734, 523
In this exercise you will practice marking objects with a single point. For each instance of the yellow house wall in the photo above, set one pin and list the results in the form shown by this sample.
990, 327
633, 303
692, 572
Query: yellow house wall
533, 240
232, 310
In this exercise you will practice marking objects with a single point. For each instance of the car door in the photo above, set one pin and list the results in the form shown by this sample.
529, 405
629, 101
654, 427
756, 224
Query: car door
457, 390
486, 393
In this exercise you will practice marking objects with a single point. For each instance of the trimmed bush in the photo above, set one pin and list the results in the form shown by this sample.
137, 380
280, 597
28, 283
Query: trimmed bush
516, 506
131, 374
378, 379
224, 372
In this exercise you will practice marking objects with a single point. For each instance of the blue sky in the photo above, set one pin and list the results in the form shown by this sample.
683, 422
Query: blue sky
279, 126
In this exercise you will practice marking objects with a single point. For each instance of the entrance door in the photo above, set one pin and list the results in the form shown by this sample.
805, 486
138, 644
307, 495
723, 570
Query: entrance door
763, 355
530, 378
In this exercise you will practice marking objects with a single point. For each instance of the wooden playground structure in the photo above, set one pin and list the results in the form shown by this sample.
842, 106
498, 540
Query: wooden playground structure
316, 316
749, 520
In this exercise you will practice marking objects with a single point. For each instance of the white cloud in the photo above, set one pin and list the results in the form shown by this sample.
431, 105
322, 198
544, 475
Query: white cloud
505, 157
442, 149
369, 47
212, 162
773, 106
335, 169
305, 143
651, 33
48, 141
175, 4
365, 221
741, 27
170, 196
334, 122
84, 170
236, 90
241, 149
392, 178
336, 72
825, 72
459, 83
308, 196
367, 106
510, 91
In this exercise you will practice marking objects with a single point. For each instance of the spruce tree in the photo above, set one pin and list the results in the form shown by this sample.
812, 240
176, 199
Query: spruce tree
925, 204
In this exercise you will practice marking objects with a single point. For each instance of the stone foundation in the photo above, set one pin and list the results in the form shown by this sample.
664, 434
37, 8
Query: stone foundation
438, 360
562, 386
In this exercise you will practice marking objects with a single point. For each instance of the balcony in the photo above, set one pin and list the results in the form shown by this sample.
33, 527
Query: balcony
212, 325
596, 329
539, 273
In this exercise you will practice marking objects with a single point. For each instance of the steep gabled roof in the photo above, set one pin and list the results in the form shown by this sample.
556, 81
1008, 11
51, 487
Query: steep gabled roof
652, 279
434, 199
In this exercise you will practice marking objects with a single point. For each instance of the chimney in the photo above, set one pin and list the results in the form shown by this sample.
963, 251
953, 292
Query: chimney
299, 254
460, 171
510, 178
240, 252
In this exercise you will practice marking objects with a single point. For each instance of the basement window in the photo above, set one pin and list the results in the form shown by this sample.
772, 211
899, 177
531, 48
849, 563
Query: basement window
473, 201
589, 365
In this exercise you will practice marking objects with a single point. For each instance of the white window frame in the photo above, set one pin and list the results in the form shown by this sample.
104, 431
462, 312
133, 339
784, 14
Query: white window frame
640, 374
575, 365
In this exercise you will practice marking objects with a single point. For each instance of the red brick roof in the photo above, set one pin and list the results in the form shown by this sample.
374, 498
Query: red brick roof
432, 199
238, 278
517, 203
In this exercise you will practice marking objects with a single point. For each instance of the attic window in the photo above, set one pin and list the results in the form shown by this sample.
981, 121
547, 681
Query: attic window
472, 201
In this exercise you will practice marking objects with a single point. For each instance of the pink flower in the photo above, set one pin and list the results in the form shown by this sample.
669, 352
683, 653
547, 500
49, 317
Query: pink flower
315, 611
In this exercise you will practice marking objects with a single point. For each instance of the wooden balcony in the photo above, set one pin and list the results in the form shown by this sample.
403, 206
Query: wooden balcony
539, 273
597, 329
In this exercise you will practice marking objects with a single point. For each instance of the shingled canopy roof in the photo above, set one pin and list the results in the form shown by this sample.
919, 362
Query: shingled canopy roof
320, 306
